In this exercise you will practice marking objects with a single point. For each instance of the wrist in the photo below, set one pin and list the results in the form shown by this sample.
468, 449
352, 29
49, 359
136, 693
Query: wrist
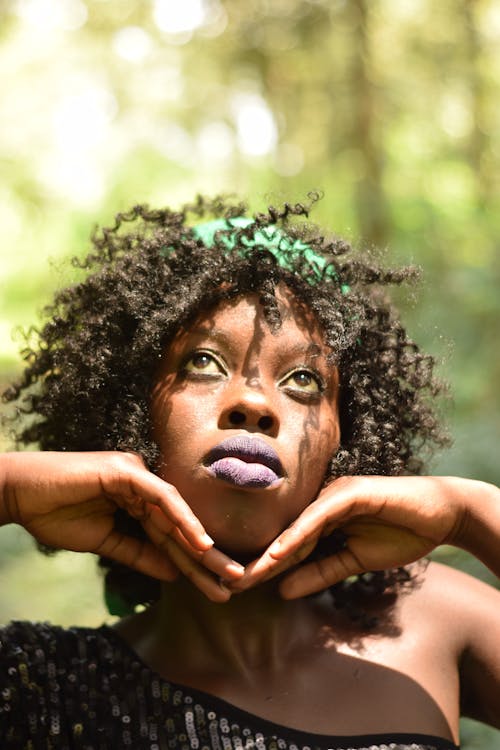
479, 532
4, 503
11, 472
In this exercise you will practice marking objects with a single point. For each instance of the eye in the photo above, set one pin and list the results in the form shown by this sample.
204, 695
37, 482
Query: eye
304, 382
204, 363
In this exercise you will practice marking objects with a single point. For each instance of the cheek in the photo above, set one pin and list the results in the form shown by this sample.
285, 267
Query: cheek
172, 419
180, 422
317, 436
315, 442
311, 468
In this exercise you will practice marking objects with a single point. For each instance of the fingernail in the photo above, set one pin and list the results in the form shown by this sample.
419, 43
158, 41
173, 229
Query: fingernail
207, 540
275, 547
223, 586
235, 568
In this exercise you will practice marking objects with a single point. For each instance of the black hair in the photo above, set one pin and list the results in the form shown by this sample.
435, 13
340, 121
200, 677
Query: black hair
89, 375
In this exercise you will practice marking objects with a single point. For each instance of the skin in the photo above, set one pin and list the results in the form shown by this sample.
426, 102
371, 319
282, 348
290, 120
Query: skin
228, 375
319, 673
296, 648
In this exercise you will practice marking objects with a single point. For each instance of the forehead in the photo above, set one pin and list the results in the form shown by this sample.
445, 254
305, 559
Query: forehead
244, 316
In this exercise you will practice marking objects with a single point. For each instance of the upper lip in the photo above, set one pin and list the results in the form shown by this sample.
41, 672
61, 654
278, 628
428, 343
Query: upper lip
250, 449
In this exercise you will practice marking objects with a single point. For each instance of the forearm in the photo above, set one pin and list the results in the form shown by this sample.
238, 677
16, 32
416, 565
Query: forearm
10, 463
4, 515
479, 532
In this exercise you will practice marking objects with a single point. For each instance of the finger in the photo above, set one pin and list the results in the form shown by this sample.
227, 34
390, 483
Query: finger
134, 480
212, 587
138, 554
212, 559
288, 542
317, 519
267, 567
320, 575
154, 515
179, 512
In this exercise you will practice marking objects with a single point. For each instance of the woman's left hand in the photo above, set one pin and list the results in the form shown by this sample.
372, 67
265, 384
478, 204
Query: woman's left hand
387, 522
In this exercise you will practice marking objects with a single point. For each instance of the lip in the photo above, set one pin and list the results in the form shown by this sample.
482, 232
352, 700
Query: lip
244, 461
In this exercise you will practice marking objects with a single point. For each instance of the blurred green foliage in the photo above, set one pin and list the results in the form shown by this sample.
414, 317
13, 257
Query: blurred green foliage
390, 107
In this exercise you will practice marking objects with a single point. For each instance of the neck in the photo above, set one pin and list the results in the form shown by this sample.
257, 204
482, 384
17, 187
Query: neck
255, 629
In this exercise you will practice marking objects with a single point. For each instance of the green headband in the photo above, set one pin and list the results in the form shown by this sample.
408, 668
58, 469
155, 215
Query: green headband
282, 247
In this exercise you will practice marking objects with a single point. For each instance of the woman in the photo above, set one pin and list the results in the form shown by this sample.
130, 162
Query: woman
231, 408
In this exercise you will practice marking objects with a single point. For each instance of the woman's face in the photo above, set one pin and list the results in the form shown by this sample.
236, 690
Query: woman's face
246, 419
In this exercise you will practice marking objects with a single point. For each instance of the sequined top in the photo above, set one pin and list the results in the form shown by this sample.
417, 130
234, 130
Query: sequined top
86, 689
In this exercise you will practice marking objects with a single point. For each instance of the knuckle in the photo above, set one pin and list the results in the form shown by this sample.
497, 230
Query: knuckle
131, 457
136, 507
324, 570
135, 553
162, 541
124, 462
300, 554
190, 573
118, 461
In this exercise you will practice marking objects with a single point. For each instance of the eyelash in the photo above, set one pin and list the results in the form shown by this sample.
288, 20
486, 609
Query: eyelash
201, 374
299, 392
223, 370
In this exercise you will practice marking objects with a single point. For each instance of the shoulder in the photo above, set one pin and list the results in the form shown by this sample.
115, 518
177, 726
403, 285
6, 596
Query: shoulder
448, 594
454, 612
444, 585
462, 614
21, 639
59, 686
28, 633
35, 655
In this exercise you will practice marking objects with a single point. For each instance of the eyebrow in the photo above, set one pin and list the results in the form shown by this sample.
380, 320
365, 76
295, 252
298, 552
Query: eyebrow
217, 334
298, 349
308, 350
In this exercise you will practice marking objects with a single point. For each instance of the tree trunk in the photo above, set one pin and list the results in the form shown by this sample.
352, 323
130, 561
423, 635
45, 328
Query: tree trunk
370, 199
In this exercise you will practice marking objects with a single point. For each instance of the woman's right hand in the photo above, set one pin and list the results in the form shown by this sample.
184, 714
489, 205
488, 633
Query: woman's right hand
68, 501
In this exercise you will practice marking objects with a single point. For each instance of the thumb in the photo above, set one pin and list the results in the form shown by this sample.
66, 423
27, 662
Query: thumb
320, 574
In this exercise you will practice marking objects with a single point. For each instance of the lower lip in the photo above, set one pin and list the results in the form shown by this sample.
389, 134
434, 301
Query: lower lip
243, 474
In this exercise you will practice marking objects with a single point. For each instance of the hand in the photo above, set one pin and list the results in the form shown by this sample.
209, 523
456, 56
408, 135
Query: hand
68, 501
387, 521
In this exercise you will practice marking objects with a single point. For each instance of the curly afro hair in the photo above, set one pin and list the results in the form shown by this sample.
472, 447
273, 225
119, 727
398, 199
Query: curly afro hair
88, 378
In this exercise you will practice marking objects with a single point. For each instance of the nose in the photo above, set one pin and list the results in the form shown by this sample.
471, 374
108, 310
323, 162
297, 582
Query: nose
250, 408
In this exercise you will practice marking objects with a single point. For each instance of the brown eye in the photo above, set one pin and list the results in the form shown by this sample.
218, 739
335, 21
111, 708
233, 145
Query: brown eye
303, 381
204, 363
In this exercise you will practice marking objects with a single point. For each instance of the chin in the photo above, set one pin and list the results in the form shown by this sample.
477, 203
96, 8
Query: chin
240, 549
244, 558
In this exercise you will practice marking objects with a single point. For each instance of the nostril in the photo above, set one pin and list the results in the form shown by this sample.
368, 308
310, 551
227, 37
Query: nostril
265, 423
236, 417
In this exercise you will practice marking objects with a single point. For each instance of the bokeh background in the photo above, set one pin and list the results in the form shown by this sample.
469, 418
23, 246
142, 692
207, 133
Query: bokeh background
390, 107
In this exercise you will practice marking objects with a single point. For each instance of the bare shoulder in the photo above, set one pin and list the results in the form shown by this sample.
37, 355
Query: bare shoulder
464, 614
437, 575
452, 593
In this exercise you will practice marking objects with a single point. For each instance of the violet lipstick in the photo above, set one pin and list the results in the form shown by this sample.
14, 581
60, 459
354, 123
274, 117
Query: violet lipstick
245, 461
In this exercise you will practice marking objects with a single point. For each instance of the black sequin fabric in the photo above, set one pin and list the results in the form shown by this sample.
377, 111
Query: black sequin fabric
85, 689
